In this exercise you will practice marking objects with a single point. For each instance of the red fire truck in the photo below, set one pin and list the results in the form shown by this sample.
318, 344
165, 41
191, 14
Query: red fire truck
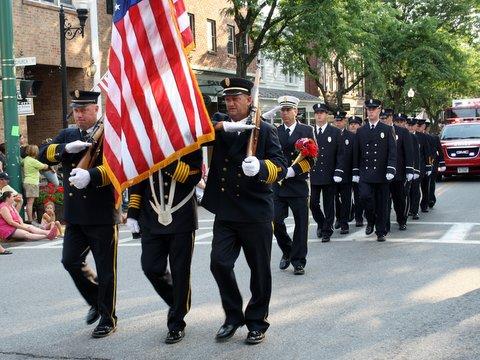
460, 137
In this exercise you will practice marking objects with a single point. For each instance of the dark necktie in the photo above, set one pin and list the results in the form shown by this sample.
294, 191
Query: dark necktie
287, 131
84, 134
372, 127
320, 132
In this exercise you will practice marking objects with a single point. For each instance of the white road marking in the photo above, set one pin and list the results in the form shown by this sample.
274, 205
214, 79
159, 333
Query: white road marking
457, 232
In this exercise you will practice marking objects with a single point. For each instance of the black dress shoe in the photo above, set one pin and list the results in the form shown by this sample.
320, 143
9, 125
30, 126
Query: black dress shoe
431, 204
319, 233
358, 224
325, 238
299, 270
92, 315
337, 224
381, 238
226, 331
425, 210
255, 337
284, 263
402, 227
369, 229
415, 217
344, 231
174, 336
103, 330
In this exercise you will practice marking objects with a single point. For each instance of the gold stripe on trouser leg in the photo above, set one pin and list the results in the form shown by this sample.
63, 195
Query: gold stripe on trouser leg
115, 241
189, 297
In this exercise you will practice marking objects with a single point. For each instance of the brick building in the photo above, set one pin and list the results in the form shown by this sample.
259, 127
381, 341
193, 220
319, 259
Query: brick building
37, 34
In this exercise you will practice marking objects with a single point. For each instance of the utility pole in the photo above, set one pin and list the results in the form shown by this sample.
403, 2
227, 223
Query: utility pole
9, 95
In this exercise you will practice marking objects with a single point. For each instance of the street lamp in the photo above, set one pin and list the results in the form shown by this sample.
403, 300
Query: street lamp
67, 31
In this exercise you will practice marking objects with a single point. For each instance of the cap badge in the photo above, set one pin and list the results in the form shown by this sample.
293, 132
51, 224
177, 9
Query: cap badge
77, 94
371, 101
227, 81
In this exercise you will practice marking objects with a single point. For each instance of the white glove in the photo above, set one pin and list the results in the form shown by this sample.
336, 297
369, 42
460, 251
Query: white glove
416, 176
251, 166
290, 173
132, 224
270, 114
76, 146
79, 178
389, 176
409, 177
356, 178
429, 172
442, 168
337, 179
231, 126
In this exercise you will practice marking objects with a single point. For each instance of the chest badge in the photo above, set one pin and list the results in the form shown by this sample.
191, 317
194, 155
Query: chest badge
382, 135
329, 139
396, 136
347, 142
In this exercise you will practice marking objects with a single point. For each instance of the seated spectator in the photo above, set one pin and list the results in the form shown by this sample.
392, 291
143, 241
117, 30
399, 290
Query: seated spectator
31, 180
12, 226
48, 218
4, 251
4, 186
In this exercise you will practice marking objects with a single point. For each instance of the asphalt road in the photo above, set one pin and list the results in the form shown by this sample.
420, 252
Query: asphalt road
416, 296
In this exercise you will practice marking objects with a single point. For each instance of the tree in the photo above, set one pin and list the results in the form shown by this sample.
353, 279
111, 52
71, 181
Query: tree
260, 23
428, 52
341, 35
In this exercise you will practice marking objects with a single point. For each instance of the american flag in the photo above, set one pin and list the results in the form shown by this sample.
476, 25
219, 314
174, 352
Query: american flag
154, 108
184, 24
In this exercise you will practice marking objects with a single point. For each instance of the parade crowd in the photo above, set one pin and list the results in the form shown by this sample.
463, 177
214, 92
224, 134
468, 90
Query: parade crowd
389, 159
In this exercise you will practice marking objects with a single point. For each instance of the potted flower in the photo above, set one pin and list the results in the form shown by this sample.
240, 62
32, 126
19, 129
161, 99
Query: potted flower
50, 193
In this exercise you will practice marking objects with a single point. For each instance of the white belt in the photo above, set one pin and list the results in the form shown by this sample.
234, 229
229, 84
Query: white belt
165, 211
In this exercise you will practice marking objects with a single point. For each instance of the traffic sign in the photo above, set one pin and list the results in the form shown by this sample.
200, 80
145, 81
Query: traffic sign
26, 61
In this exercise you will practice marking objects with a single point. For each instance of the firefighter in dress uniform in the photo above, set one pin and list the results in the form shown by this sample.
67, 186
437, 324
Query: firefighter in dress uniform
239, 193
404, 173
163, 209
374, 161
354, 123
292, 192
89, 212
414, 193
343, 196
425, 167
325, 173
438, 165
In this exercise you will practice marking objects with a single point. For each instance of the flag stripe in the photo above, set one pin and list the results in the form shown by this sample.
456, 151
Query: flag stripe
154, 110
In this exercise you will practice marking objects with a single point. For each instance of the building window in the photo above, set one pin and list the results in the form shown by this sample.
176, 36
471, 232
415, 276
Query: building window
56, 2
246, 47
211, 35
191, 19
291, 78
231, 39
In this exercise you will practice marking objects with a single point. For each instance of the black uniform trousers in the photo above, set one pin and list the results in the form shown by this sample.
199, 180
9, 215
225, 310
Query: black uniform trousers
295, 250
256, 241
357, 204
173, 286
99, 291
425, 186
432, 199
323, 220
415, 196
401, 200
374, 197
343, 204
